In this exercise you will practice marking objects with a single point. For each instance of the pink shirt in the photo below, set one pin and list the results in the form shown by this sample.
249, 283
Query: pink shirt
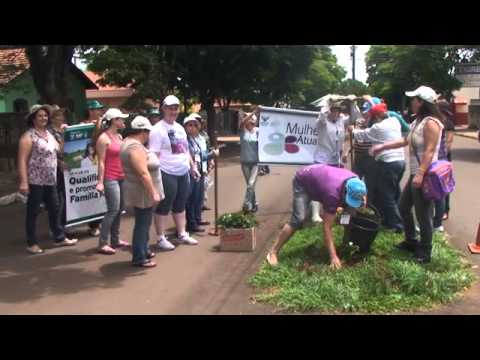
113, 164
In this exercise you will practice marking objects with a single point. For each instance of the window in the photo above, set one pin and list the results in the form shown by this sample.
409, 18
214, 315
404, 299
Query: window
20, 105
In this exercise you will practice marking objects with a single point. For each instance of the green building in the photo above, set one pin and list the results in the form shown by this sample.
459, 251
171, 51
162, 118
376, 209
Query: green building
17, 90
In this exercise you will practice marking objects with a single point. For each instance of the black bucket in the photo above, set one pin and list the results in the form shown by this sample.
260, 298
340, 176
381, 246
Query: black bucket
363, 230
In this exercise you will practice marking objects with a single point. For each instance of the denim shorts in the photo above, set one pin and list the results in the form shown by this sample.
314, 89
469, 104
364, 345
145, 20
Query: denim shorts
300, 205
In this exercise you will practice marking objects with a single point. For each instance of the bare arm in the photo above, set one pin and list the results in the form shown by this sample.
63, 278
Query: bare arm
450, 136
328, 222
431, 135
101, 149
138, 159
24, 152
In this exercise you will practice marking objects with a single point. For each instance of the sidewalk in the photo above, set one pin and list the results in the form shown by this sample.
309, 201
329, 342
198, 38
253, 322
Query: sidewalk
464, 131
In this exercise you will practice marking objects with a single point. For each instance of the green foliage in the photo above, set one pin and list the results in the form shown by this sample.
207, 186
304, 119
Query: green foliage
394, 69
352, 87
238, 220
386, 281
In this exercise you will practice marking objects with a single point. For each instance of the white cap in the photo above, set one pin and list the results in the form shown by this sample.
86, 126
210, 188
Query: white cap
189, 118
195, 115
425, 93
171, 100
141, 123
113, 114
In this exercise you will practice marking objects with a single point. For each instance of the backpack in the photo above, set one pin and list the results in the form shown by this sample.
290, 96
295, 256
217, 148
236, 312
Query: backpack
438, 180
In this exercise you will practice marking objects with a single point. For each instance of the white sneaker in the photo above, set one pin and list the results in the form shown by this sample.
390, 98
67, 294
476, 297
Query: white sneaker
317, 219
440, 229
187, 240
164, 244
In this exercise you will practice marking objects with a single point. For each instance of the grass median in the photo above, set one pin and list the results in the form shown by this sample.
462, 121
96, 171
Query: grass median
385, 281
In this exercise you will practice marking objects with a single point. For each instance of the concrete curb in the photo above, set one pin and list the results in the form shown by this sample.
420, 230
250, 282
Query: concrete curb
469, 136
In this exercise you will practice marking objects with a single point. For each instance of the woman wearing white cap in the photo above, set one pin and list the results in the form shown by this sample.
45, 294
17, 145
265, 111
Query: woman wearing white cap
110, 177
200, 156
142, 187
424, 140
168, 140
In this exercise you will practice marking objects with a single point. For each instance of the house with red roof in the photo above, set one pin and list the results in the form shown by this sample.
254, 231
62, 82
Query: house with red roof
108, 95
18, 92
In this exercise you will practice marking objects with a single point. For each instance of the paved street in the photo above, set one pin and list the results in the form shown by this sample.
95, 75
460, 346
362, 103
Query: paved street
190, 280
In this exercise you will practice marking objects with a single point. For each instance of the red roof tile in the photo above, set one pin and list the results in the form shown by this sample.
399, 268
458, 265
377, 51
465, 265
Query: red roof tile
13, 62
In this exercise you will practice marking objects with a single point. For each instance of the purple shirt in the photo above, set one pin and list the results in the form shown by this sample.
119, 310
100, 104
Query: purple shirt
324, 183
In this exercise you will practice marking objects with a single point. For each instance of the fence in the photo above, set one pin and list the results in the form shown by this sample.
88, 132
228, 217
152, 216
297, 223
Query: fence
12, 126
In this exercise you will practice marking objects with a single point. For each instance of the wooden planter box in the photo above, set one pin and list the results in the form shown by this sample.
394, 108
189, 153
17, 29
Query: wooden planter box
238, 239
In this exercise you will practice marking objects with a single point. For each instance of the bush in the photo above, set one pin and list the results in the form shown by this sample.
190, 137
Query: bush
238, 220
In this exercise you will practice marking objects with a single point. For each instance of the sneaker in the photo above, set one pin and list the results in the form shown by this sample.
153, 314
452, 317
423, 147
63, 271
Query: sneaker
187, 240
94, 232
164, 244
317, 219
66, 242
439, 229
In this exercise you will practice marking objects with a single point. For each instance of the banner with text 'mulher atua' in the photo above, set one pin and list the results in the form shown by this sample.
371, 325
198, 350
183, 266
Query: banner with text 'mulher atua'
287, 136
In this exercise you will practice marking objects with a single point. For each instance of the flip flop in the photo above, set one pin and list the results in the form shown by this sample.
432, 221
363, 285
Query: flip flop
35, 252
106, 251
151, 255
148, 264
121, 244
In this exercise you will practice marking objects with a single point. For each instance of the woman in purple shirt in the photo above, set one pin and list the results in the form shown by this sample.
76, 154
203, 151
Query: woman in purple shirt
333, 187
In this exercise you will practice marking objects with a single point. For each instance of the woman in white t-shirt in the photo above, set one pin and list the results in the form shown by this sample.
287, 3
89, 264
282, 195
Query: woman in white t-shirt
168, 140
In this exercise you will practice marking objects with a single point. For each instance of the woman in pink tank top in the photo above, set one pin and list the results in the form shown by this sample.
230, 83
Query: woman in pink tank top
110, 178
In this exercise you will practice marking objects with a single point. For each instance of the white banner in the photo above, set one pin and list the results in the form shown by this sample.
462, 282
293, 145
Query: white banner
83, 202
287, 136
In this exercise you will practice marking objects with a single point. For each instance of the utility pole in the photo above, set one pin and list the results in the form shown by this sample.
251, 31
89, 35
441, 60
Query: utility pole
354, 47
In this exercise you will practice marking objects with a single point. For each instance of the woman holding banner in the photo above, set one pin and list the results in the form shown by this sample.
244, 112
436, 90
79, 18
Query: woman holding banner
110, 178
249, 158
37, 169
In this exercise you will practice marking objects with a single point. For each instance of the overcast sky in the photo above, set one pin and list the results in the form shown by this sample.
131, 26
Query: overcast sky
344, 59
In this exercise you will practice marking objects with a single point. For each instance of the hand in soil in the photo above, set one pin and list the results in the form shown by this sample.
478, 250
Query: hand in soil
335, 263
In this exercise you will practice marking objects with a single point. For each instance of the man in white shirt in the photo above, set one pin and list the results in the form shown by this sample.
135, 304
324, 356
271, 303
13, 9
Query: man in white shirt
390, 164
168, 140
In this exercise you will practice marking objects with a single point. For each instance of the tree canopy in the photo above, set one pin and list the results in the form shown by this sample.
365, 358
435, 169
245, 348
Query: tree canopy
394, 69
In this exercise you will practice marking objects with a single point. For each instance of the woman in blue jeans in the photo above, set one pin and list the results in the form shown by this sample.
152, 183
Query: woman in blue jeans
142, 187
110, 177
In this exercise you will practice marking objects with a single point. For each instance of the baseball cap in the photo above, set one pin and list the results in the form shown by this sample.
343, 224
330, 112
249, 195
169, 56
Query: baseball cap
113, 113
356, 191
367, 105
378, 109
196, 116
141, 123
190, 118
171, 100
94, 105
425, 93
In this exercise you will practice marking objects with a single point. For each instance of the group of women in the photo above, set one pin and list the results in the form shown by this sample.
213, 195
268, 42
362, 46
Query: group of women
154, 170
